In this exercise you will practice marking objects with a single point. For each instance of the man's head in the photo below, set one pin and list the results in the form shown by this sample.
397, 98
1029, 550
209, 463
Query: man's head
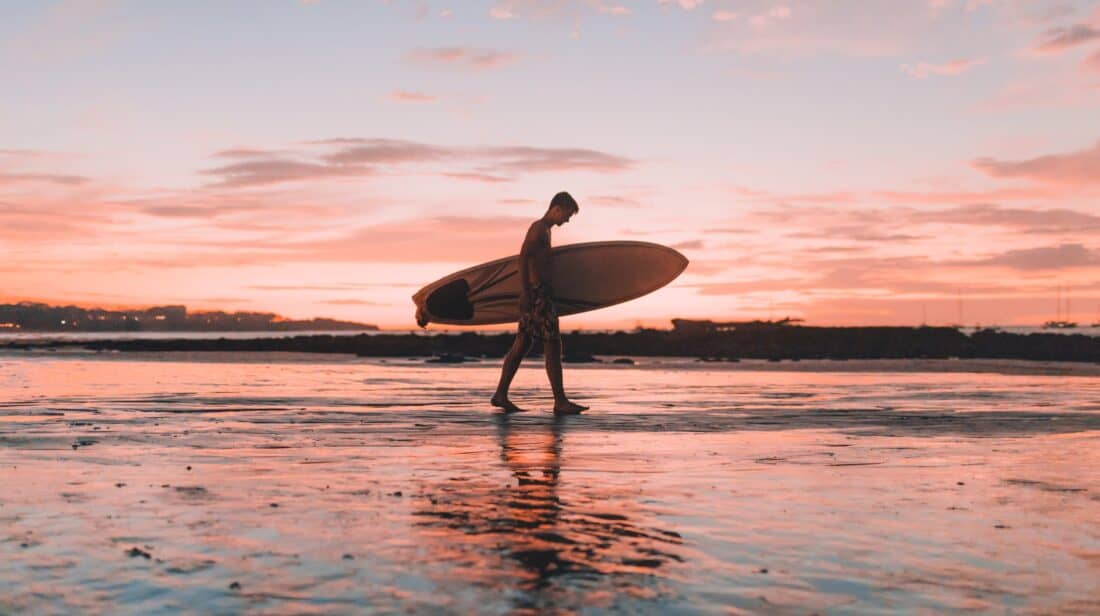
562, 208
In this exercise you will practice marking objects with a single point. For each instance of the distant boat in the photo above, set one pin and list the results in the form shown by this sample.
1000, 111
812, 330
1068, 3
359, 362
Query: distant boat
1059, 325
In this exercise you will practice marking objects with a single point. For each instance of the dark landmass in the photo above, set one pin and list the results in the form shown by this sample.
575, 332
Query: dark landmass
759, 340
35, 317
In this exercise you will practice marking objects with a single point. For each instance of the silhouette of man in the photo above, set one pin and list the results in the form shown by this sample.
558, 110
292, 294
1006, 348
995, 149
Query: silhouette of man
538, 315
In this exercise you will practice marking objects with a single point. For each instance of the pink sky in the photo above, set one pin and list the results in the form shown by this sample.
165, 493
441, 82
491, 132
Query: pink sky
835, 161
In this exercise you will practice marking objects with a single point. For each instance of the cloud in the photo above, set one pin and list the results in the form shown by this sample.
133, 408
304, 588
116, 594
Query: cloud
49, 178
855, 232
616, 10
815, 28
488, 160
1049, 220
274, 171
689, 245
478, 177
339, 286
1057, 40
687, 5
1078, 168
352, 302
1044, 258
1092, 63
248, 153
776, 13
897, 223
613, 201
468, 58
724, 16
530, 159
359, 157
384, 151
894, 196
501, 12
922, 70
405, 96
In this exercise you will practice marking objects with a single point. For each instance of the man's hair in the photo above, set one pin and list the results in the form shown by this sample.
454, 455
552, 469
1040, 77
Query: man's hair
565, 201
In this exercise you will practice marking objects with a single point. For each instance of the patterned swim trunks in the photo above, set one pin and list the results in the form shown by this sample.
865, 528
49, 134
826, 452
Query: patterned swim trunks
541, 320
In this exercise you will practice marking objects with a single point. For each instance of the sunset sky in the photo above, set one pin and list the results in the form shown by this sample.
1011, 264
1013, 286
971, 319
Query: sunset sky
848, 162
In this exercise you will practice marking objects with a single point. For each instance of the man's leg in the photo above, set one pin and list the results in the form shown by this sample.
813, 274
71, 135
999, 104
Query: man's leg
562, 405
508, 371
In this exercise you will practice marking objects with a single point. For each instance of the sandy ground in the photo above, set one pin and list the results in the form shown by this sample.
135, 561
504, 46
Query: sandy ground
330, 485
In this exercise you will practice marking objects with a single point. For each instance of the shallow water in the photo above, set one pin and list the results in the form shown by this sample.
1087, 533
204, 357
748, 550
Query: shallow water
145, 484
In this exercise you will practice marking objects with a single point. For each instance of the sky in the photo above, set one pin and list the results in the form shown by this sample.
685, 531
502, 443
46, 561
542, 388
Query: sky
846, 162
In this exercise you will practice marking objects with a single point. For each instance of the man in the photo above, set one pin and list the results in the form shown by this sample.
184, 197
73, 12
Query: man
538, 317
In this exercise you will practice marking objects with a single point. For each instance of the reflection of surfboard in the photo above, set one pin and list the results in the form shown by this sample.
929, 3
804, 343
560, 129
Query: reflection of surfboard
586, 277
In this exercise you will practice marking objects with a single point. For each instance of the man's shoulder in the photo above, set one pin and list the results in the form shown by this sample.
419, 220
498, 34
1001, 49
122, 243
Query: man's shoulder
538, 229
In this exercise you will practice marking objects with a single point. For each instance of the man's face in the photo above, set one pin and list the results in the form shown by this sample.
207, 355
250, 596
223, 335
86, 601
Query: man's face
562, 215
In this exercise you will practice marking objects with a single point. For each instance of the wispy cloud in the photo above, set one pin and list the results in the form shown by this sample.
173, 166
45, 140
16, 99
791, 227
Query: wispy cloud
1063, 256
1092, 63
1059, 39
50, 178
1078, 168
687, 5
350, 157
407, 96
467, 58
275, 171
922, 70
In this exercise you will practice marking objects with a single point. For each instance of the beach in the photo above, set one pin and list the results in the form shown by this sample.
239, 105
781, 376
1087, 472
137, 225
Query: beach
293, 483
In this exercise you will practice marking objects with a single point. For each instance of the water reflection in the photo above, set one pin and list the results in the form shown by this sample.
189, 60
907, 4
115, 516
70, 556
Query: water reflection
545, 540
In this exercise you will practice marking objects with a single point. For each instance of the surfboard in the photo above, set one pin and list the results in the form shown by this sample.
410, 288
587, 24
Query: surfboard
586, 277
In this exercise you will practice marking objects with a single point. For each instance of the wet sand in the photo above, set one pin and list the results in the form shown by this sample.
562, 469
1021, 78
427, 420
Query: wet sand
155, 483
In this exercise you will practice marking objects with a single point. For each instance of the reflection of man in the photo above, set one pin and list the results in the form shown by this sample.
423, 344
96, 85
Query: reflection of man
538, 316
557, 537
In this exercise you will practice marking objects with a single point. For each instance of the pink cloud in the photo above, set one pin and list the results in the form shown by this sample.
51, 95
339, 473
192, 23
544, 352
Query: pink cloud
492, 160
1092, 62
1078, 168
1039, 220
468, 58
616, 10
50, 178
1064, 256
274, 171
687, 5
478, 177
1056, 40
404, 96
359, 157
776, 13
922, 70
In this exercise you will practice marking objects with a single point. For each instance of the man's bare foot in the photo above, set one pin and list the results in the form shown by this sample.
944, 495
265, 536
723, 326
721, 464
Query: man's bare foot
504, 403
565, 407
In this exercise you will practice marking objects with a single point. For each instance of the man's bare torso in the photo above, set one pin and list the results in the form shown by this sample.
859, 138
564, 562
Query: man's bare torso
534, 256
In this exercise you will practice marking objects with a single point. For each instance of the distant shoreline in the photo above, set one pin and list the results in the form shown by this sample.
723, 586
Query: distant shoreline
767, 343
